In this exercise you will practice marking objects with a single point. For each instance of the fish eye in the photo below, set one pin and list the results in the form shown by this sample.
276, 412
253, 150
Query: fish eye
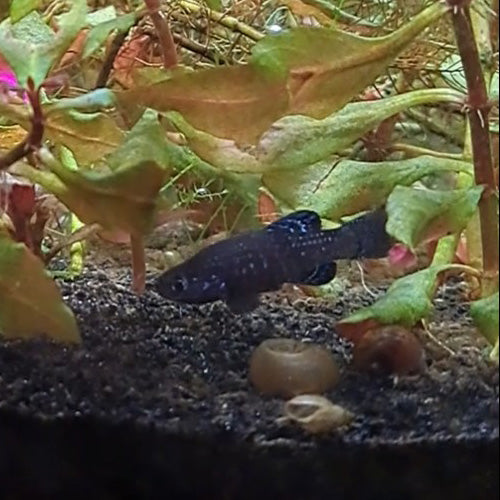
179, 285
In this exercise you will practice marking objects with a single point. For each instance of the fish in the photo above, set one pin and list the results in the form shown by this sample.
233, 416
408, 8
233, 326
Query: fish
293, 249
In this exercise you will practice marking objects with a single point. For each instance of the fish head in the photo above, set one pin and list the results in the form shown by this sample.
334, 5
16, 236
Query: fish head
183, 284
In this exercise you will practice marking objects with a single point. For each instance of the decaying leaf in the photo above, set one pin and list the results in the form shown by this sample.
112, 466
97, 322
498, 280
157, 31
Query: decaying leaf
89, 136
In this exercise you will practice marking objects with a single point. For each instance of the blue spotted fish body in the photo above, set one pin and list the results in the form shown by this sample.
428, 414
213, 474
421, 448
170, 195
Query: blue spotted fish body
294, 249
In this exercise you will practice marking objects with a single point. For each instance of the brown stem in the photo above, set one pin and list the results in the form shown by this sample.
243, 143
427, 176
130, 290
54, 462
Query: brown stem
479, 108
198, 48
109, 59
167, 44
138, 264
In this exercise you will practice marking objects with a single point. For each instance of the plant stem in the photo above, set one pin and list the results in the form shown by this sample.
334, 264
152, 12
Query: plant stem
481, 149
227, 21
167, 44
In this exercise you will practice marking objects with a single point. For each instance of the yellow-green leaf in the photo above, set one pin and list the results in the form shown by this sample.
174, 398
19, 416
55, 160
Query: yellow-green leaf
348, 187
484, 312
415, 215
123, 199
297, 140
407, 301
30, 302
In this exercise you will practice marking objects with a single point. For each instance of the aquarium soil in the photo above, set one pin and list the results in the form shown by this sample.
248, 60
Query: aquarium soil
156, 404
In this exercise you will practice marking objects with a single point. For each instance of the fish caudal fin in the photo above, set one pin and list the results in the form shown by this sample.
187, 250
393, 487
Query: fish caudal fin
373, 240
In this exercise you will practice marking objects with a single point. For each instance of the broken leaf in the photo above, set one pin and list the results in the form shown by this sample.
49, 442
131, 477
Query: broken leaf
348, 187
417, 215
484, 312
407, 301
30, 302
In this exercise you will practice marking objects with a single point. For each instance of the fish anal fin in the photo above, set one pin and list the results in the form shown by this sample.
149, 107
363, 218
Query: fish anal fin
320, 275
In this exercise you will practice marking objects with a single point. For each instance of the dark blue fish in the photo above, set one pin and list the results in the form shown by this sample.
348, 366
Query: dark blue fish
294, 249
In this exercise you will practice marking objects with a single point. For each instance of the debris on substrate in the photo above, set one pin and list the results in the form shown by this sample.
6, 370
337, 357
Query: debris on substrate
156, 403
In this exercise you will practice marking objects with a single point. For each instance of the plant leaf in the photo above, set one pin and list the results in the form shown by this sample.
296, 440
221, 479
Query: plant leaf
237, 102
484, 312
407, 301
328, 67
348, 187
30, 302
296, 141
123, 199
416, 215
100, 32
89, 136
21, 8
29, 59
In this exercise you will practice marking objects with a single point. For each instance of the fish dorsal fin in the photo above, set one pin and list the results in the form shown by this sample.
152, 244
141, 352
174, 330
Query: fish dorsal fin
300, 222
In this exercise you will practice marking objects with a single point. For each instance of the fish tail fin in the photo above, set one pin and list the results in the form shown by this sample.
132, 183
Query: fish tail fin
373, 241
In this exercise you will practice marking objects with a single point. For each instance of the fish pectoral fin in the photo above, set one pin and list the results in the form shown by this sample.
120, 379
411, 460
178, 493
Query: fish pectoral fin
240, 304
320, 275
300, 222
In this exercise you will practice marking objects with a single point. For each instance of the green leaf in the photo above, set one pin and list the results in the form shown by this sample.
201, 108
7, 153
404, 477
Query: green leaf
419, 214
484, 312
100, 16
347, 187
214, 4
30, 302
91, 101
100, 32
297, 141
21, 8
407, 301
124, 199
38, 58
327, 67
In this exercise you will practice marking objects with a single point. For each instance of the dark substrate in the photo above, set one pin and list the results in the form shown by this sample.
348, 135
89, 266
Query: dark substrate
156, 404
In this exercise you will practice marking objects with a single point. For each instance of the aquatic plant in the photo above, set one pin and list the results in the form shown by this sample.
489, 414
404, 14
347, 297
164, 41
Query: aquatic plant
279, 125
